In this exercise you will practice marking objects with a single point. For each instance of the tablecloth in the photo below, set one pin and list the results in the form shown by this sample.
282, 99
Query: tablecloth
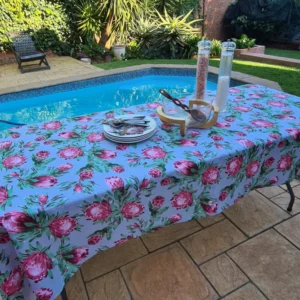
67, 193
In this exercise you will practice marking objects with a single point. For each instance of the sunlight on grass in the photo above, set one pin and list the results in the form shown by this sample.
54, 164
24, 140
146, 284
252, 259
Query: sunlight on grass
246, 63
295, 54
136, 62
287, 77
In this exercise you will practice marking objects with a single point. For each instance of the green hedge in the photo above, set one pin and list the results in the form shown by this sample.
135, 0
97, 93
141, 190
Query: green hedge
46, 18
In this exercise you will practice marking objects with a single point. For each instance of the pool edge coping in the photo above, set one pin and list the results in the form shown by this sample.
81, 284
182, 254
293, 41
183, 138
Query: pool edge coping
242, 77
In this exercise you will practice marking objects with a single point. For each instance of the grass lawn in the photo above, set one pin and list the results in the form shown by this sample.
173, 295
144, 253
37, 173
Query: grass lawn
284, 53
287, 77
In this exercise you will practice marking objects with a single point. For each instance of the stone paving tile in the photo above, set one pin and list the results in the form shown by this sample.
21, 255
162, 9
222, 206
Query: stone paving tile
291, 230
62, 68
247, 292
296, 190
212, 241
293, 183
272, 263
254, 213
210, 220
223, 274
26, 81
271, 191
108, 287
112, 259
75, 288
169, 234
283, 201
167, 274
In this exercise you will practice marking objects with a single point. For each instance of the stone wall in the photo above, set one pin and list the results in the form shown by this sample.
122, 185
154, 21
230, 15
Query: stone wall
7, 58
238, 53
214, 10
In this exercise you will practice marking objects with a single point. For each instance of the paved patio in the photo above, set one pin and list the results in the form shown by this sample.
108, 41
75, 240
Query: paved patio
251, 252
63, 69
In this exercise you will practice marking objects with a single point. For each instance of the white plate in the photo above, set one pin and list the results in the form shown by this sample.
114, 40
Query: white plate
124, 140
131, 141
131, 132
125, 137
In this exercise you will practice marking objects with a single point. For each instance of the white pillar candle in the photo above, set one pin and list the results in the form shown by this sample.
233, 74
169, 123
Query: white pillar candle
222, 93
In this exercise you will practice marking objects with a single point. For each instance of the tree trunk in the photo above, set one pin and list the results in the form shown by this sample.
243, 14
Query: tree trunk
203, 13
106, 35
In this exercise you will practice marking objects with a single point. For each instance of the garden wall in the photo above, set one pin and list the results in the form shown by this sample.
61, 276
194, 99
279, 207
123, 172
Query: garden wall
214, 12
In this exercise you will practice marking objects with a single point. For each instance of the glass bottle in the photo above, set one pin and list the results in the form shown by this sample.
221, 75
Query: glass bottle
202, 68
224, 74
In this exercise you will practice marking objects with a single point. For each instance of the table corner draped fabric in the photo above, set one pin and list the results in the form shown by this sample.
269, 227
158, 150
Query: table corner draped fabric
67, 193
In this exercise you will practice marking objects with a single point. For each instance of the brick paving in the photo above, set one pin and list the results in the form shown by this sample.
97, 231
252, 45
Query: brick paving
250, 252
63, 69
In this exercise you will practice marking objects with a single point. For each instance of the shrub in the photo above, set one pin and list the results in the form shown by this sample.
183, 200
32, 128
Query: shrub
262, 30
165, 37
244, 42
133, 50
171, 33
215, 50
191, 45
21, 15
88, 18
92, 49
144, 33
46, 39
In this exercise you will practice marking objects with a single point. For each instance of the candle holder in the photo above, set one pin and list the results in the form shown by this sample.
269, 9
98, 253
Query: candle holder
224, 74
202, 69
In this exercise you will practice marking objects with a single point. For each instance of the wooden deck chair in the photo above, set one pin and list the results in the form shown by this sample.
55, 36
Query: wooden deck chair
25, 51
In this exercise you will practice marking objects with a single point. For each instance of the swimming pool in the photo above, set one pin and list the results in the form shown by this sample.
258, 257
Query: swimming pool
106, 93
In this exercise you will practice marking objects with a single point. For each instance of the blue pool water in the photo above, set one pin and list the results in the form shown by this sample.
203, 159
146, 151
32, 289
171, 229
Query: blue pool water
95, 98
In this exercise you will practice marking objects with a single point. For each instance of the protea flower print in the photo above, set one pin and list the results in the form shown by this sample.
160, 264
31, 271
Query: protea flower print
13, 283
36, 266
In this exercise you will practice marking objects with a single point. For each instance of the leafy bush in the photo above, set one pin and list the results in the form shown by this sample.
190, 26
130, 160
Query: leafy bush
62, 25
46, 39
177, 7
191, 45
92, 49
133, 50
21, 15
88, 18
244, 42
262, 30
144, 32
165, 37
215, 50
171, 33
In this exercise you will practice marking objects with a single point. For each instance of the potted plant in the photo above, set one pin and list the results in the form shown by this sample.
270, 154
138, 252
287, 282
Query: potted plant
107, 56
118, 48
245, 45
83, 57
90, 51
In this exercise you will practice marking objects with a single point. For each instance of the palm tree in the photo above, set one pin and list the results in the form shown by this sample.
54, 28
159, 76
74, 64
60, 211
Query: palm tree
118, 15
88, 15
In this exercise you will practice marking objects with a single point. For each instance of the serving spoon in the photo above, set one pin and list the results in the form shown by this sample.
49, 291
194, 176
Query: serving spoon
135, 121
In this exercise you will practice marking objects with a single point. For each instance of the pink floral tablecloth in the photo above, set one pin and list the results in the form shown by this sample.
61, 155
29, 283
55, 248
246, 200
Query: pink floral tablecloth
66, 193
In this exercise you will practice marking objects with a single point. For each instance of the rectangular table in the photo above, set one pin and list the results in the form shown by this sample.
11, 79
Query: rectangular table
66, 193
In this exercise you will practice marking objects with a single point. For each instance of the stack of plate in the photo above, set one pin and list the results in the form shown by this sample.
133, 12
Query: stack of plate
130, 133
